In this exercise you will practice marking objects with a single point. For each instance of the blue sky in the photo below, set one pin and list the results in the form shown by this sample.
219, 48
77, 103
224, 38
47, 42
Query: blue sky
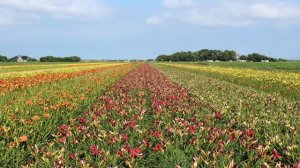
133, 29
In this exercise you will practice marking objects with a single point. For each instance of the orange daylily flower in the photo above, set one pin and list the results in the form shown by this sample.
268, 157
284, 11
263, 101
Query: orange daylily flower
23, 138
35, 118
47, 115
29, 102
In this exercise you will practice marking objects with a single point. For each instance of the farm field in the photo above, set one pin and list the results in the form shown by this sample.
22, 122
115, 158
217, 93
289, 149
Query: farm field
13, 70
286, 83
149, 115
280, 66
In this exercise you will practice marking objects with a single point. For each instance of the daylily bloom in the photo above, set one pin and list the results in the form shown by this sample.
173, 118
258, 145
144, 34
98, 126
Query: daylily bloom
63, 130
275, 154
94, 150
135, 152
158, 148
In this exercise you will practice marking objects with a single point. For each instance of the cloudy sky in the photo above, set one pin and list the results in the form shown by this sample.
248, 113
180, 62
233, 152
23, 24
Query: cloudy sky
111, 29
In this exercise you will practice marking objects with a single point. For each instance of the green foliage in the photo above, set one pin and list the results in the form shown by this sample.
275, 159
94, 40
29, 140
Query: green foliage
282, 60
202, 55
243, 57
32, 60
3, 58
255, 57
60, 59
206, 54
14, 59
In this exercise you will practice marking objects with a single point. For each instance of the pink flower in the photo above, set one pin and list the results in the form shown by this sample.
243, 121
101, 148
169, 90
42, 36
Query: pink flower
124, 137
157, 134
72, 156
151, 133
63, 140
132, 124
63, 130
158, 148
134, 152
297, 165
119, 153
94, 150
112, 140
82, 120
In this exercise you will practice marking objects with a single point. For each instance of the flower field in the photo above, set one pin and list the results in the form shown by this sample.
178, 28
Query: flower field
12, 83
283, 82
148, 115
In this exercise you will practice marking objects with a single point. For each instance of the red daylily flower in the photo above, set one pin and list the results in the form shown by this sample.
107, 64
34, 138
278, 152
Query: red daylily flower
82, 120
218, 115
158, 148
132, 124
112, 140
249, 133
192, 129
94, 150
63, 130
124, 137
134, 152
276, 155
72, 156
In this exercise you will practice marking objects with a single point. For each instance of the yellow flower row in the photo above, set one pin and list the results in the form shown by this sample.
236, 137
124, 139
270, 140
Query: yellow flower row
56, 69
289, 78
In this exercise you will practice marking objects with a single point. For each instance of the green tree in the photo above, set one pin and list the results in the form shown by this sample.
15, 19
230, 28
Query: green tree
3, 58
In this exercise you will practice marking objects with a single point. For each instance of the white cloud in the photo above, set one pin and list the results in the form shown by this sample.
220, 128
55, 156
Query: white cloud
178, 3
229, 12
13, 11
154, 20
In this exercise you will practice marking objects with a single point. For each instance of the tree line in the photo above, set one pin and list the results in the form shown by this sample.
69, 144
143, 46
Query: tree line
206, 54
44, 59
14, 59
255, 57
3, 58
60, 59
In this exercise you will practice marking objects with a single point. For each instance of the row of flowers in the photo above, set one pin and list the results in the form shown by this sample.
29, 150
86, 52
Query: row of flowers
8, 85
27, 70
284, 82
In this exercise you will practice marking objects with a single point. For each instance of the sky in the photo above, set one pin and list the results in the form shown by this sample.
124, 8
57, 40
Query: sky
135, 29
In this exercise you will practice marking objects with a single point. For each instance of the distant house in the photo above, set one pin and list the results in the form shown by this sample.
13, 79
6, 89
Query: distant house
210, 60
20, 58
242, 60
265, 61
